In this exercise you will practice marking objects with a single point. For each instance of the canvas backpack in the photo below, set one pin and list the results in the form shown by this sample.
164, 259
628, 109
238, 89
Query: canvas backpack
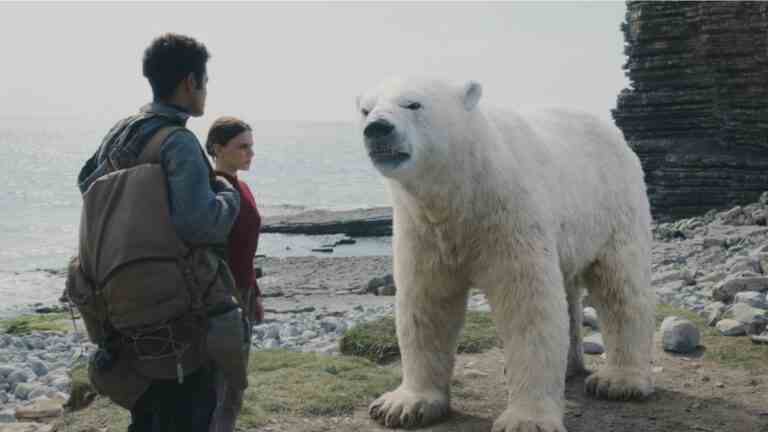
144, 295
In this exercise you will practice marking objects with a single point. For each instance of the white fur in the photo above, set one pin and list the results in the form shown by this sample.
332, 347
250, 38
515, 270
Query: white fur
529, 209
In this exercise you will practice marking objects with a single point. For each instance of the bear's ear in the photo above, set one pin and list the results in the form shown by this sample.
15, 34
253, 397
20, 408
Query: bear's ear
472, 92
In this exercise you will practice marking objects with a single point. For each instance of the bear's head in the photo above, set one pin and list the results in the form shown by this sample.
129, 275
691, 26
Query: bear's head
413, 126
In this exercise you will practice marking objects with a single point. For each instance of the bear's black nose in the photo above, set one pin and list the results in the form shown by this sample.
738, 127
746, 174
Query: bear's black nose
378, 129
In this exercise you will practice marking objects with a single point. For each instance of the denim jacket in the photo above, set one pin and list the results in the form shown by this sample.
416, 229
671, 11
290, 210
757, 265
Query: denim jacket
202, 210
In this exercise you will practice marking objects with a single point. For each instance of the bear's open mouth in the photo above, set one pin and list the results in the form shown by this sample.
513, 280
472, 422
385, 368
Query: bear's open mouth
392, 157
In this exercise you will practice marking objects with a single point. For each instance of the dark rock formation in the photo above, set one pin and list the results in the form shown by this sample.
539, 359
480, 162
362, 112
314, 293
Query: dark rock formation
696, 111
354, 223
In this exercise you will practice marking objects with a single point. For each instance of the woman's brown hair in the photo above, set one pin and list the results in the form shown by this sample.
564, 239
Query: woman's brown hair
223, 130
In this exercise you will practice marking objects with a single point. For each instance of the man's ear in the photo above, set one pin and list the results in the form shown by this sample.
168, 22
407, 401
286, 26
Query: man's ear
472, 92
190, 83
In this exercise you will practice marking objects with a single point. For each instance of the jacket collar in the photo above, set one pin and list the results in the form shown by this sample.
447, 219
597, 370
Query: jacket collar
167, 110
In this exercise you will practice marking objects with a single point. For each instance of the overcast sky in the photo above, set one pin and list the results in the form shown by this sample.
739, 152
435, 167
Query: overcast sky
308, 61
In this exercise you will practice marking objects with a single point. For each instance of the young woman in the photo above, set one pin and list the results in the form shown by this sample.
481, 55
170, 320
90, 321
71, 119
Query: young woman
230, 144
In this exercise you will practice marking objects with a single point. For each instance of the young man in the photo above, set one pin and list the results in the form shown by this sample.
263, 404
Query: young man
202, 208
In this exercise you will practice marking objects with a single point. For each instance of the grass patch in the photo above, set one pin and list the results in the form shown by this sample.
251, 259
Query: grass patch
310, 384
377, 340
280, 382
101, 415
58, 322
729, 351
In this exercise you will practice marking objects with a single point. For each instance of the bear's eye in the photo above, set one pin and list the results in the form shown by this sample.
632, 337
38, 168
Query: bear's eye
365, 112
413, 106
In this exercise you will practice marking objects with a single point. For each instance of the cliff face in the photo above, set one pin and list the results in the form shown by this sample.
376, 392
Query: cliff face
696, 110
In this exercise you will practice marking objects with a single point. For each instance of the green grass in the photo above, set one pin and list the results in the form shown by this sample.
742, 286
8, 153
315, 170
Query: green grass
377, 340
311, 384
58, 322
280, 382
729, 351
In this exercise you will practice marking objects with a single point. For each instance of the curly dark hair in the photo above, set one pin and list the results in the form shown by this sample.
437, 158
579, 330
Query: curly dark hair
169, 59
223, 130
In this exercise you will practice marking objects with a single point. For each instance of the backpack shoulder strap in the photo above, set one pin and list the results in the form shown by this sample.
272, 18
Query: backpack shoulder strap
151, 152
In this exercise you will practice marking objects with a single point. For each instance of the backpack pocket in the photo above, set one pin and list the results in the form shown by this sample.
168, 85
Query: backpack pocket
82, 294
146, 292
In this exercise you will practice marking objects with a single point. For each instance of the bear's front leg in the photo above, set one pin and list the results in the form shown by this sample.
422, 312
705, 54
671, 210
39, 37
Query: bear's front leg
429, 316
529, 308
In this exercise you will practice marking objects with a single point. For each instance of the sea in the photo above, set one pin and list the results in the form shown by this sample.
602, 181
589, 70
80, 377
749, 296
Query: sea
297, 166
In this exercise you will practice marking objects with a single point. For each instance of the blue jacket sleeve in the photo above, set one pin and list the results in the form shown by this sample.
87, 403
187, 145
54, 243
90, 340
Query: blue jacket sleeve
200, 214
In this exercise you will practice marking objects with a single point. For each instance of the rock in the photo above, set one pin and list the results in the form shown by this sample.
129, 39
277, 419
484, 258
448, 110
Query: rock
383, 286
743, 264
729, 327
17, 376
759, 339
713, 242
355, 223
673, 275
751, 298
679, 335
38, 367
271, 344
755, 319
6, 416
673, 91
727, 289
593, 344
39, 409
713, 312
589, 318
26, 427
23, 390
5, 371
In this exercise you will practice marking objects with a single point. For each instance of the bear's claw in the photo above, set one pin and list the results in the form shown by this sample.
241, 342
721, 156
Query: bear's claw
619, 385
405, 409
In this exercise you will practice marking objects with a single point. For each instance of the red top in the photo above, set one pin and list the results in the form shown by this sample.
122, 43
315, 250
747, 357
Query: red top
244, 237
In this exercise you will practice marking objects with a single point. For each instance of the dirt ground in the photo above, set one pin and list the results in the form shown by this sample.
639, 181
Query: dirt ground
691, 395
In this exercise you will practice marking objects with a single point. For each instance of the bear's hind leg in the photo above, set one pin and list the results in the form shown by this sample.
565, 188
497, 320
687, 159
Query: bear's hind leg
619, 286
430, 314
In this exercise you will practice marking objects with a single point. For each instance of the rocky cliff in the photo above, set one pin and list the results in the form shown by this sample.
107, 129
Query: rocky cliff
696, 110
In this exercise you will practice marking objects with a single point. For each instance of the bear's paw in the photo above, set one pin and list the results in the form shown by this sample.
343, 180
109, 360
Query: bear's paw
618, 384
406, 409
518, 420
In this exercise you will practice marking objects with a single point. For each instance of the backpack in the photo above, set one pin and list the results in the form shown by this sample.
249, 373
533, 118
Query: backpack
144, 295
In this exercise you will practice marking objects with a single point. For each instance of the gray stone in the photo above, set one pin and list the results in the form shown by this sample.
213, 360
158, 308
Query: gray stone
23, 390
7, 416
713, 312
5, 371
593, 344
271, 344
716, 276
755, 319
38, 367
729, 327
3, 397
671, 276
751, 298
679, 335
18, 376
383, 286
713, 242
727, 289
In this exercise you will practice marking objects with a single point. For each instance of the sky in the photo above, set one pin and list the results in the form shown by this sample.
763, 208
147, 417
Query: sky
308, 61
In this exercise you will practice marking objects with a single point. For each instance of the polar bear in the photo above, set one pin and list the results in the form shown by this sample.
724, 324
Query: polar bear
528, 209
